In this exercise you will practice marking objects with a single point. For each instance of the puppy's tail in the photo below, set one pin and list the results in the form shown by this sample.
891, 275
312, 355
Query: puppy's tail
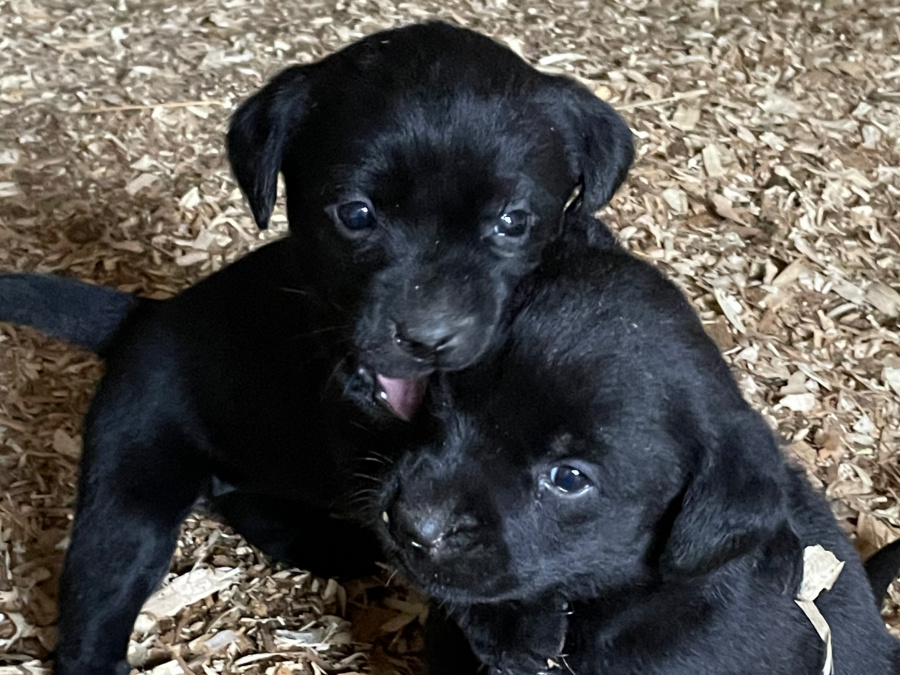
66, 309
882, 568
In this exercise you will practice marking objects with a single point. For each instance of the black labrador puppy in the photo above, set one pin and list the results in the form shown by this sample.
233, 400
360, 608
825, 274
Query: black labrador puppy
603, 499
426, 169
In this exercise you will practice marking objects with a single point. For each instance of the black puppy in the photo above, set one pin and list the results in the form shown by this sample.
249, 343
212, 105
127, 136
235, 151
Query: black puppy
603, 497
426, 169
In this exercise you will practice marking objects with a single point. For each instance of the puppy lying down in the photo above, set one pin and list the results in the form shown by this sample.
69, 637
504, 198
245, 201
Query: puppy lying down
603, 497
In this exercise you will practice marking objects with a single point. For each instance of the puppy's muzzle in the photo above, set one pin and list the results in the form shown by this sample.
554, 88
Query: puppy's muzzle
435, 337
438, 531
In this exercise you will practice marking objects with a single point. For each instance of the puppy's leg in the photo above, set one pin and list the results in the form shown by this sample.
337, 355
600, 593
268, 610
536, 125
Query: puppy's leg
447, 651
300, 535
133, 494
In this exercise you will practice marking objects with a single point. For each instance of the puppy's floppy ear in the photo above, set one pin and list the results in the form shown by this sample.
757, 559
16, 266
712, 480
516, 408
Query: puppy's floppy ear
601, 146
260, 134
733, 504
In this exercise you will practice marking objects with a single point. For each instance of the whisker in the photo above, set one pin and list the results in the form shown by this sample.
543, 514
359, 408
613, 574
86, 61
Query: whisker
377, 460
364, 492
335, 371
385, 458
300, 291
367, 477
566, 664
362, 427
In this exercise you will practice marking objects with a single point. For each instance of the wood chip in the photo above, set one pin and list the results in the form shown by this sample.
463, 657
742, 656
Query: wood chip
141, 182
676, 199
686, 117
712, 161
187, 589
884, 298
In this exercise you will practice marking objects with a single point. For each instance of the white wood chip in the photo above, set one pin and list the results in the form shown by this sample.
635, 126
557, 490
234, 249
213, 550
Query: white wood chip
821, 568
192, 258
190, 199
799, 402
187, 589
790, 273
685, 117
712, 162
27, 668
676, 199
8, 189
884, 298
141, 182
552, 59
849, 291
168, 668
891, 377
9, 156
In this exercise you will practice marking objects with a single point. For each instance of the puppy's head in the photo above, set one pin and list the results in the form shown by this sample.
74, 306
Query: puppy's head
608, 446
426, 169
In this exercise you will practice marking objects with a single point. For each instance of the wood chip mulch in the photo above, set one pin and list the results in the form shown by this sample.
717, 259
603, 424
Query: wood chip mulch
767, 185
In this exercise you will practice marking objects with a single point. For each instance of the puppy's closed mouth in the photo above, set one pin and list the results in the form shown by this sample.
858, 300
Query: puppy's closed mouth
401, 396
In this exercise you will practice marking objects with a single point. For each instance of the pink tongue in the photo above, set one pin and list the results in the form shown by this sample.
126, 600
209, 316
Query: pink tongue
404, 396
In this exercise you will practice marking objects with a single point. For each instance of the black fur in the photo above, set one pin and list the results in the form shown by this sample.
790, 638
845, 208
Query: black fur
440, 131
86, 315
682, 555
882, 568
258, 386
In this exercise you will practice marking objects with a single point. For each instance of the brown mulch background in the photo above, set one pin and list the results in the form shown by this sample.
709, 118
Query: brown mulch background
767, 184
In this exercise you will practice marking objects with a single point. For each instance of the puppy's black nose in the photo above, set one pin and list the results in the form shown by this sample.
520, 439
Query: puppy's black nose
432, 528
424, 339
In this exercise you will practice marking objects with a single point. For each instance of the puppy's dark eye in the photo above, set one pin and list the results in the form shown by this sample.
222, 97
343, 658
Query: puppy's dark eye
356, 216
568, 479
513, 224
